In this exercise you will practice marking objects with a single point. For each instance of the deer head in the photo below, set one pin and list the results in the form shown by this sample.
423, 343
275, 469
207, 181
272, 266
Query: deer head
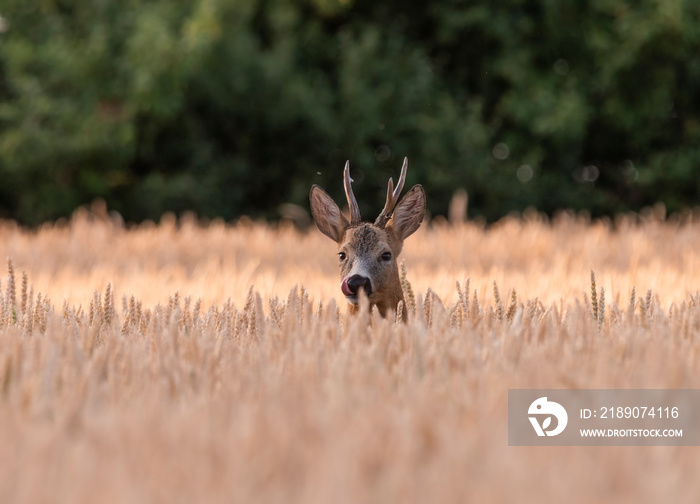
367, 252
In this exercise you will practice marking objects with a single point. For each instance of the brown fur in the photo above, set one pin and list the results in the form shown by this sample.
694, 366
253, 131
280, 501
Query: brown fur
368, 242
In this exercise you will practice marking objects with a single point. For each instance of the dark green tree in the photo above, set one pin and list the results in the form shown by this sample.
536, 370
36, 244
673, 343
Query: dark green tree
232, 108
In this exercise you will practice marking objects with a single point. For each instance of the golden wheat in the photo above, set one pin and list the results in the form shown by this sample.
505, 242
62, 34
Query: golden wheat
265, 390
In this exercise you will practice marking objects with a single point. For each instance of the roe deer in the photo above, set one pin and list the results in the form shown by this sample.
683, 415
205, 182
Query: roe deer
367, 252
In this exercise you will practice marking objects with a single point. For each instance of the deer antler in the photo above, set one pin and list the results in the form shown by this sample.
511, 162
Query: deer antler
392, 196
352, 202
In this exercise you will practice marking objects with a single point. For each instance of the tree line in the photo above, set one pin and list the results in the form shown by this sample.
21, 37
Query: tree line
235, 108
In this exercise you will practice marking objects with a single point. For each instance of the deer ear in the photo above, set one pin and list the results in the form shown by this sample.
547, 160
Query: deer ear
327, 216
409, 213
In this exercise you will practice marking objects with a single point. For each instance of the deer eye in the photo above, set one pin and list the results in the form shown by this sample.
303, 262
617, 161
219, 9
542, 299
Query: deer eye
342, 256
386, 256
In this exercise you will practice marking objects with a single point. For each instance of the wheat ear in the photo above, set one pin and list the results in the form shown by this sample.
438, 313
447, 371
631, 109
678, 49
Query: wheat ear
594, 297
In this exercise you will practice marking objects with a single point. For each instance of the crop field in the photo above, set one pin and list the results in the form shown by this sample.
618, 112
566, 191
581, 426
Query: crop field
182, 362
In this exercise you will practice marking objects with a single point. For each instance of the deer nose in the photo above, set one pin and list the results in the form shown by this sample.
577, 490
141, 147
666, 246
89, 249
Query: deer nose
355, 282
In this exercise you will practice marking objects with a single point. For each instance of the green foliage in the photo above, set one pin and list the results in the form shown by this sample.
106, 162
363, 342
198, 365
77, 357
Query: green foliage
231, 108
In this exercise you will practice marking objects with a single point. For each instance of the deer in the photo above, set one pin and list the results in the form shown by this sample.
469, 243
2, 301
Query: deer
367, 252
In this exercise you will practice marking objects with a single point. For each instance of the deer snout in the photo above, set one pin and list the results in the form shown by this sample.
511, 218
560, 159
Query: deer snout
352, 284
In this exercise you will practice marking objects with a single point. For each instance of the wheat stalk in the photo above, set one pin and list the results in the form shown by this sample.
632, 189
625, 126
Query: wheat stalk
409, 296
464, 299
427, 306
23, 305
108, 311
10, 299
273, 303
2, 308
499, 305
512, 307
36, 320
594, 297
476, 308
632, 304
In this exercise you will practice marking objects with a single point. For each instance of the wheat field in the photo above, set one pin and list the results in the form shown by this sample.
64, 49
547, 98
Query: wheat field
182, 362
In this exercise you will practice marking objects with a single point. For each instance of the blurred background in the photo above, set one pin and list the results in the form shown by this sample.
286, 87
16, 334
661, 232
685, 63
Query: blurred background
228, 108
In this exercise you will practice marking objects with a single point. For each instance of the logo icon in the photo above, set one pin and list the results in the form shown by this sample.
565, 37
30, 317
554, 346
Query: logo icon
542, 407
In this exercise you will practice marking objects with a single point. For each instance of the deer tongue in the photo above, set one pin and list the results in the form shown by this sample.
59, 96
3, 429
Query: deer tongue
345, 288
